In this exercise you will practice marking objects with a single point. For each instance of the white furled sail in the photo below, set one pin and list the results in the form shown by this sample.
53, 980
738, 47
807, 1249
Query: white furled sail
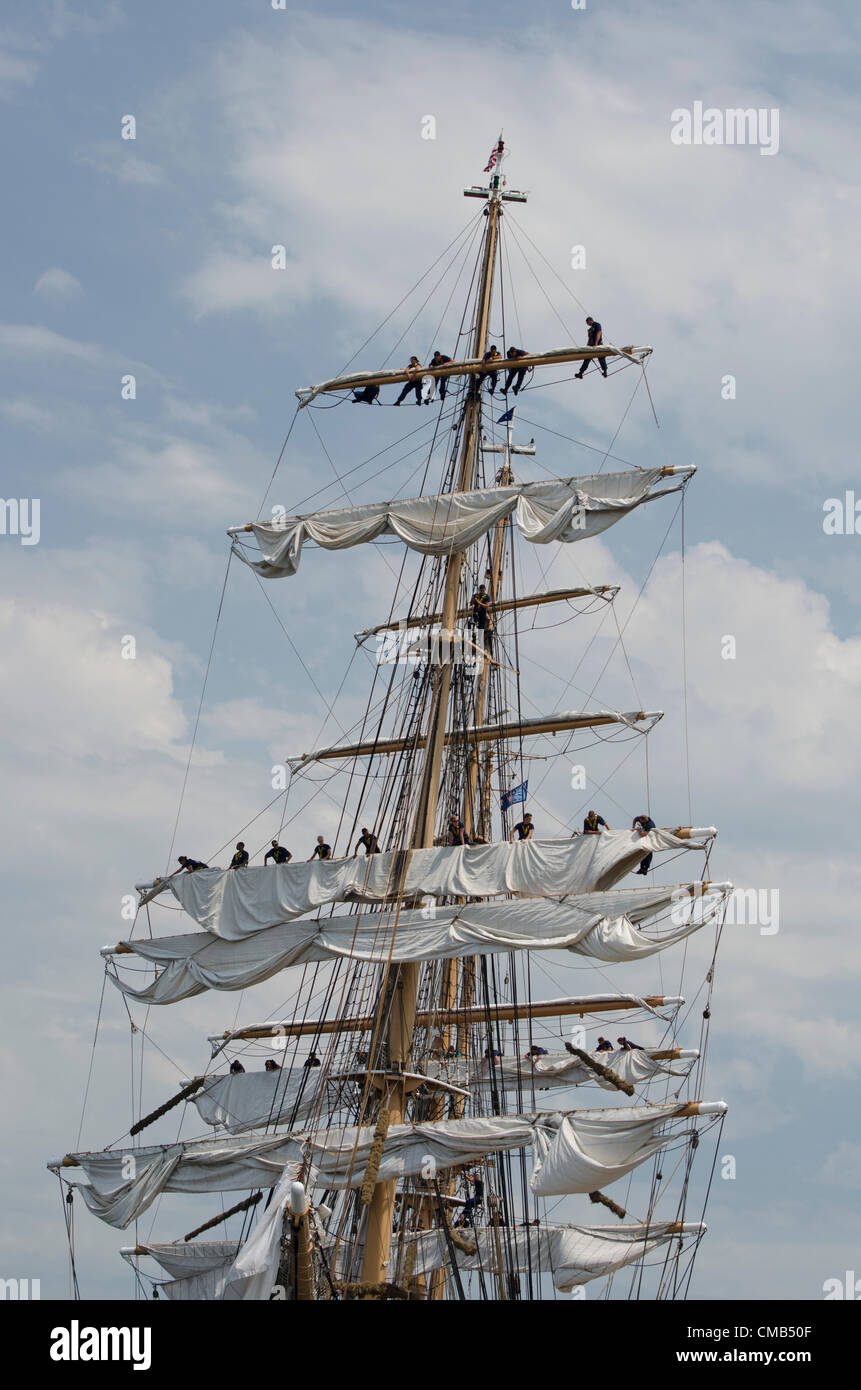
197, 1268
572, 1255
237, 903
609, 1143
636, 1068
250, 1100
599, 925
561, 509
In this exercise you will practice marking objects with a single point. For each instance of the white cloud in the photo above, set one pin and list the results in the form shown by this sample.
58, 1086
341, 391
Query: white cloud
65, 685
58, 286
15, 72
121, 160
842, 1167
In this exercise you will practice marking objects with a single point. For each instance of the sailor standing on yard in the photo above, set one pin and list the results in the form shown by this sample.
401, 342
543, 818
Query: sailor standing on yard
644, 824
593, 822
278, 854
595, 339
492, 355
413, 383
321, 850
515, 374
439, 359
189, 864
457, 831
369, 840
524, 830
240, 858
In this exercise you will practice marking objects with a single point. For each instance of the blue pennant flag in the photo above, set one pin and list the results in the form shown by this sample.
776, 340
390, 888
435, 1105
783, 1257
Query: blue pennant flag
516, 794
509, 415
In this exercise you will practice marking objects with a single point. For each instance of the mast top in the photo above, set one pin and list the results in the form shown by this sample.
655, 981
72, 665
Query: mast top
496, 191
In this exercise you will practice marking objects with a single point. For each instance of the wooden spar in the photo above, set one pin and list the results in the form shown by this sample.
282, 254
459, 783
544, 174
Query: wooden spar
378, 1231
461, 1017
507, 605
549, 724
470, 366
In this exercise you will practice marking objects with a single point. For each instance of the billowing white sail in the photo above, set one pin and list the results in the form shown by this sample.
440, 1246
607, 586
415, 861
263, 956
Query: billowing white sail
572, 1255
121, 1184
599, 925
236, 903
599, 1149
561, 509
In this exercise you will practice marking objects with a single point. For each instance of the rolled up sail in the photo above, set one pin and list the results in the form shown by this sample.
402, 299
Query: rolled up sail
636, 1068
572, 1255
560, 509
196, 1268
233, 904
609, 1144
601, 926
250, 1100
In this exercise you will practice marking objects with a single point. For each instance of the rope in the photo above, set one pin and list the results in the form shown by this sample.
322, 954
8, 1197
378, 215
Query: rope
685, 665
199, 711
154, 1115
92, 1060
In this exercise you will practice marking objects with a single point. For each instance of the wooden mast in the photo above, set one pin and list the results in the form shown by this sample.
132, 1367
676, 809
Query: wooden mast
378, 1233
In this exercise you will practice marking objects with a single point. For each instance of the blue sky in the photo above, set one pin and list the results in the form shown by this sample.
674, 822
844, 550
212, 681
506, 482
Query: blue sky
258, 127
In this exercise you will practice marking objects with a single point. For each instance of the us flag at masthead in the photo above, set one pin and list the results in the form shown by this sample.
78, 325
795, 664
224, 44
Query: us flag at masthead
494, 156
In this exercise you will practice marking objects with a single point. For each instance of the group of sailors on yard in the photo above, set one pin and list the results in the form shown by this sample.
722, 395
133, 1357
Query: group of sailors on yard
456, 834
492, 360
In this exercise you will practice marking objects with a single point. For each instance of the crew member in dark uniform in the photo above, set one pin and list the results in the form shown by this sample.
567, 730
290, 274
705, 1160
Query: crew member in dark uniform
604, 1045
439, 359
492, 355
457, 831
593, 822
369, 840
237, 1068
645, 824
270, 1065
240, 858
190, 864
482, 607
594, 339
524, 830
515, 374
628, 1046
278, 854
366, 396
414, 382
321, 850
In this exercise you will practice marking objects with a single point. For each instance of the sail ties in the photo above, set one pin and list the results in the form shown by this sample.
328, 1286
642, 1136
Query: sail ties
599, 1070
154, 1115
600, 1199
217, 1220
375, 1156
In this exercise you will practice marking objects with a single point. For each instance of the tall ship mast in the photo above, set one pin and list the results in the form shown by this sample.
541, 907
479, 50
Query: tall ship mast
400, 1130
